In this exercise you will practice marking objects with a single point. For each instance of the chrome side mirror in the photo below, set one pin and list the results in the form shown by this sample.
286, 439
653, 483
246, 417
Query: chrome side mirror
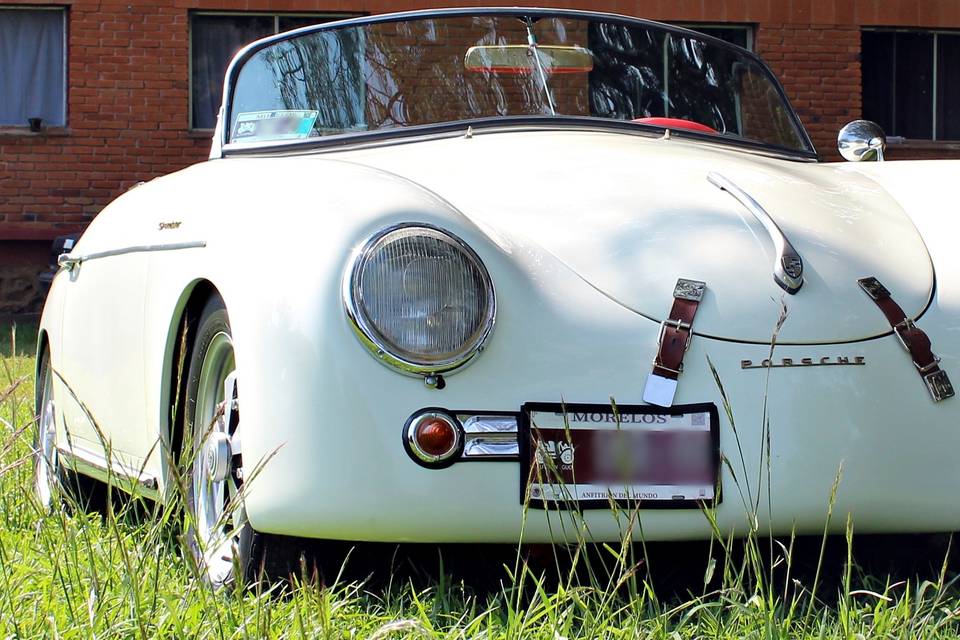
862, 140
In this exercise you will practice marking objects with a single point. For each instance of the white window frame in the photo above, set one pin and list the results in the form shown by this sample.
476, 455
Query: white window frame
66, 68
328, 16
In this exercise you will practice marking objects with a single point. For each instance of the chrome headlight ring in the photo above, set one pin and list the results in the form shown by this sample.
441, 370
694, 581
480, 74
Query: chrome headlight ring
375, 342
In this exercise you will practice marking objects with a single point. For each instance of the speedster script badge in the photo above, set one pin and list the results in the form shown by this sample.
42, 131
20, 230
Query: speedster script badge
826, 361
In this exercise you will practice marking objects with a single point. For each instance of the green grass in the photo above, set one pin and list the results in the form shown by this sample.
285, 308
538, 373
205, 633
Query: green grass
126, 574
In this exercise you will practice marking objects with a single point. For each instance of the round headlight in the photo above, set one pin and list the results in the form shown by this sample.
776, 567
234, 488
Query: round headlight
420, 299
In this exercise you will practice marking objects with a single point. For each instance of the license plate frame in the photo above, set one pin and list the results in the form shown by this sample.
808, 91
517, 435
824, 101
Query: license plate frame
634, 419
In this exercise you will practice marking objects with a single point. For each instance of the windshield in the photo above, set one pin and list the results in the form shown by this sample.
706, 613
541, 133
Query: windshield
378, 75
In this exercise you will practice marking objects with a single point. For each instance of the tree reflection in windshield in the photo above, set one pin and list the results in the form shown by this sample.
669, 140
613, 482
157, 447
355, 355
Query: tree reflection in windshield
390, 74
322, 73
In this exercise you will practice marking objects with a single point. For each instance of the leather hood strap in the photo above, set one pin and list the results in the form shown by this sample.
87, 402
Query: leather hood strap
674, 340
913, 339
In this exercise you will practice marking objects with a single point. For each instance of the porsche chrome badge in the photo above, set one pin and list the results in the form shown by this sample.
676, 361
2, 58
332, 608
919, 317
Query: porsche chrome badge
825, 361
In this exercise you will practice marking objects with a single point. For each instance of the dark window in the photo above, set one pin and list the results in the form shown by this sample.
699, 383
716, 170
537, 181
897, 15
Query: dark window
32, 62
286, 23
948, 85
215, 39
738, 34
910, 83
876, 69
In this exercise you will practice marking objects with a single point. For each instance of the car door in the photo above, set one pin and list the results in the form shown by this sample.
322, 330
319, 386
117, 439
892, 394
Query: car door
102, 357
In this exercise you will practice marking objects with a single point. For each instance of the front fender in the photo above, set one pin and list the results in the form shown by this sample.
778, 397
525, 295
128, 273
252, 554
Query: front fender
928, 191
278, 259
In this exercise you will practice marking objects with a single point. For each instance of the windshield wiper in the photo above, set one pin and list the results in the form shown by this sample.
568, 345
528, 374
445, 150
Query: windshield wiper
532, 43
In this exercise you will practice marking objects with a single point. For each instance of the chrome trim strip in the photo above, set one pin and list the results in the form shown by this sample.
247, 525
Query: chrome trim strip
488, 424
788, 265
485, 449
490, 437
378, 347
69, 262
94, 465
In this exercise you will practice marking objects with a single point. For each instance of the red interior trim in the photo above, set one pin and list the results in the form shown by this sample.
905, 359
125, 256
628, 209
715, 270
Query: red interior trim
676, 123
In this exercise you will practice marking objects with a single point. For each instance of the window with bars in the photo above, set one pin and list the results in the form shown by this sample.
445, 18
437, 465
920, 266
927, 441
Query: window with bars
215, 38
911, 82
33, 63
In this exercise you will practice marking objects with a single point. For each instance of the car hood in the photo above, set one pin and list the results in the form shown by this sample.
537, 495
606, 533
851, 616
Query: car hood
631, 215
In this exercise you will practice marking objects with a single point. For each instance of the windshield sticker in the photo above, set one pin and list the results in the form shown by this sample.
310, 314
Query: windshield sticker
256, 126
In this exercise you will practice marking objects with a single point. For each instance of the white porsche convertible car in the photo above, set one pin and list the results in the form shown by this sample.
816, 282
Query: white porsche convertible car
451, 276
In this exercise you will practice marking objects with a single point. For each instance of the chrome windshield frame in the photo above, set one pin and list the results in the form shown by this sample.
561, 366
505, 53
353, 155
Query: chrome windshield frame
221, 146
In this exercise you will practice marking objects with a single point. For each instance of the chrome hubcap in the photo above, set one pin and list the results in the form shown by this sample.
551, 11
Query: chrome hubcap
218, 514
218, 455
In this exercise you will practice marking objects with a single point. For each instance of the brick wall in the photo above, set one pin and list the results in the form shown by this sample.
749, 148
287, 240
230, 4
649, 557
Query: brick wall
128, 103
126, 114
819, 67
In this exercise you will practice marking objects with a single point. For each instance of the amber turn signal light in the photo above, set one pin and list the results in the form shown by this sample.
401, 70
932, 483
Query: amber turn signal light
436, 436
432, 437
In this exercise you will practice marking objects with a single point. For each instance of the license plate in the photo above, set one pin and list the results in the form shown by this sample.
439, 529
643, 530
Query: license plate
589, 455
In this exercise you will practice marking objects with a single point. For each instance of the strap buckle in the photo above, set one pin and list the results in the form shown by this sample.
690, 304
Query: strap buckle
904, 325
930, 367
658, 365
908, 325
679, 325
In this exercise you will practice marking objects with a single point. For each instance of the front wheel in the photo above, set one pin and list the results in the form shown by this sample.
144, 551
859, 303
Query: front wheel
220, 536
